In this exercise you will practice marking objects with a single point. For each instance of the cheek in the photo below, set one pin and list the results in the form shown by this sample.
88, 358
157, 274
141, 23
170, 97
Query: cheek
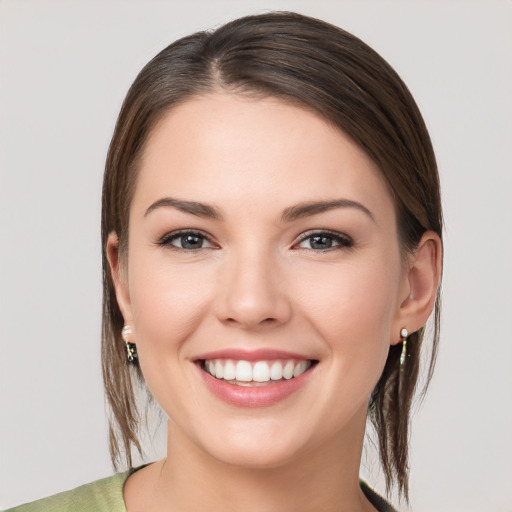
166, 304
352, 313
352, 307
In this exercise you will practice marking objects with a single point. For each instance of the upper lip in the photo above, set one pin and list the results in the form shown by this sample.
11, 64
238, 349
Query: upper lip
260, 354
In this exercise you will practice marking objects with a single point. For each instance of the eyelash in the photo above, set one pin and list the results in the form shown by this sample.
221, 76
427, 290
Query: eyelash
166, 240
342, 241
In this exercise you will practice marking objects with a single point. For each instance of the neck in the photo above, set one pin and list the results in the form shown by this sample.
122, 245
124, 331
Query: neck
325, 478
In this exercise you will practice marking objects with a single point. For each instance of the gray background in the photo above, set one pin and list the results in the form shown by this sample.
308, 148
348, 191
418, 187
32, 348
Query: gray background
65, 67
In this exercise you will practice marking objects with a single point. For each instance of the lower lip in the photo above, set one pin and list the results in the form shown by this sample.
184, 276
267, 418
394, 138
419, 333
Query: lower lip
260, 396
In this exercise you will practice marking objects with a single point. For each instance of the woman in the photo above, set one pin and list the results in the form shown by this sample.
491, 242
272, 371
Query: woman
272, 251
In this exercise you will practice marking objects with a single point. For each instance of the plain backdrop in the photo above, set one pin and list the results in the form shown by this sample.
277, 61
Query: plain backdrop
65, 67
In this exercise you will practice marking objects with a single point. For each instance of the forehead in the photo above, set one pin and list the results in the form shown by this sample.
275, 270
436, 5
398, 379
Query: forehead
224, 148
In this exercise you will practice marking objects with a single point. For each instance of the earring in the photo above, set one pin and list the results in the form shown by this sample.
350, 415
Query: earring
131, 349
403, 335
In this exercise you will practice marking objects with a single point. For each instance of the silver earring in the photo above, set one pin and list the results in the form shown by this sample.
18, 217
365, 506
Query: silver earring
403, 334
131, 349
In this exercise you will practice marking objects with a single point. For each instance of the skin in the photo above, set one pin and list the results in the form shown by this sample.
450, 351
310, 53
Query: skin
257, 282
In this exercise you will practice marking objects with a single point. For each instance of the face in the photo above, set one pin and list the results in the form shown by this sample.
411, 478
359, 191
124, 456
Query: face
263, 280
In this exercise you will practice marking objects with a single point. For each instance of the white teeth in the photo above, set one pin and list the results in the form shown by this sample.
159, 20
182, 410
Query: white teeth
229, 371
288, 370
259, 371
243, 371
299, 369
276, 371
219, 370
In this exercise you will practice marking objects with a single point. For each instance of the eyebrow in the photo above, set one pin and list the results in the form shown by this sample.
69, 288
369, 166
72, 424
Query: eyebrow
308, 209
192, 207
290, 214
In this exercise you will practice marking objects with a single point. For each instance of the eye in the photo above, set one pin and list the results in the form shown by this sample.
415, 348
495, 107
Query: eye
186, 240
324, 240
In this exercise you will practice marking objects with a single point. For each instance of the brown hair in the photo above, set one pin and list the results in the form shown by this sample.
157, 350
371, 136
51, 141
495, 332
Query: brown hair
317, 66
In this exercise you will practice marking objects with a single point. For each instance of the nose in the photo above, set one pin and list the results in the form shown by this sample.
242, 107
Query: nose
253, 292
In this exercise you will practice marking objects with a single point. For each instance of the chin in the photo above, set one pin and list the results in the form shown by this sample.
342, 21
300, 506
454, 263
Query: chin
254, 457
255, 444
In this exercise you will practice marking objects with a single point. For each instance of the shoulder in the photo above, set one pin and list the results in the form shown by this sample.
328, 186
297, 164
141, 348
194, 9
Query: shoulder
105, 495
375, 499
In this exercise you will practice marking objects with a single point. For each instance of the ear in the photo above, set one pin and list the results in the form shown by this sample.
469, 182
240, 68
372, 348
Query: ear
421, 282
119, 275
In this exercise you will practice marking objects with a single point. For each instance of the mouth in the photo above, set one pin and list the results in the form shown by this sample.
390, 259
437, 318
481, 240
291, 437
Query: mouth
256, 373
254, 378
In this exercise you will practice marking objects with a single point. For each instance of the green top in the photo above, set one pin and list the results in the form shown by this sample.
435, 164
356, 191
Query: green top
106, 495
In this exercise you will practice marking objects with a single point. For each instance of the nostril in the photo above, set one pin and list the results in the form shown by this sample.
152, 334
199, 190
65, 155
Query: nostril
264, 321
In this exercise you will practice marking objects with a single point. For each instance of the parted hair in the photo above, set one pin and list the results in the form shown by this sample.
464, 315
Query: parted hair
317, 66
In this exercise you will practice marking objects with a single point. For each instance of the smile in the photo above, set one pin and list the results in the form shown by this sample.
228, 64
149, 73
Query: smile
257, 378
255, 373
